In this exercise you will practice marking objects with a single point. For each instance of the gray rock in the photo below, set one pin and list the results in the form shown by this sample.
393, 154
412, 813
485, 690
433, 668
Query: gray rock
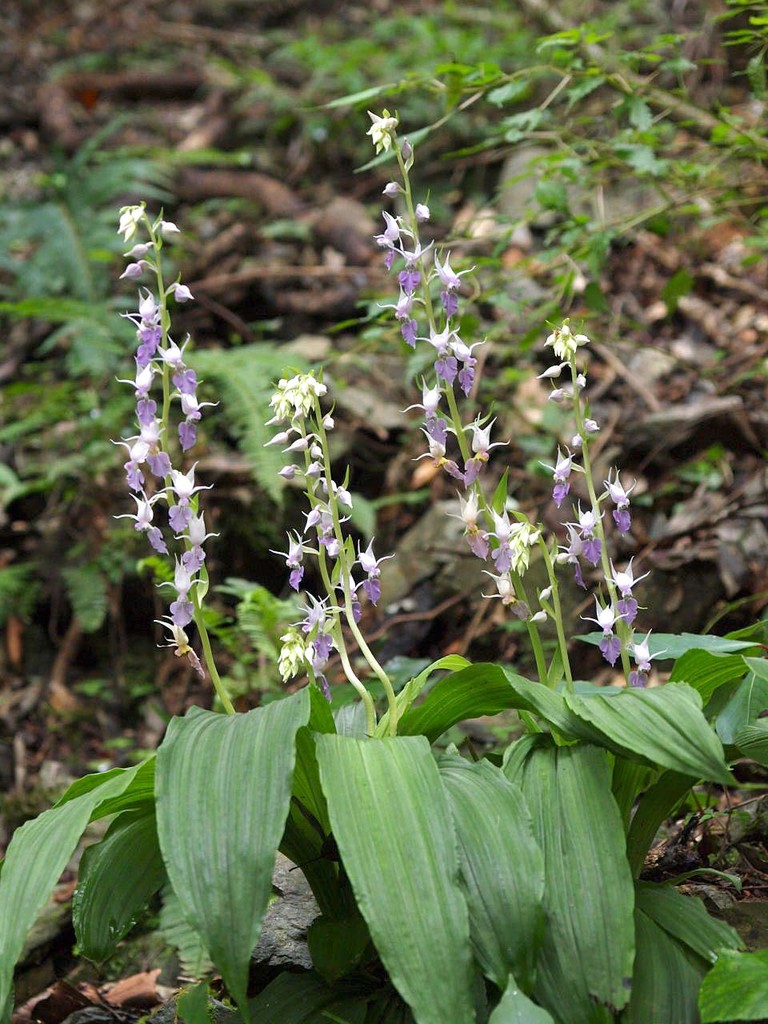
283, 939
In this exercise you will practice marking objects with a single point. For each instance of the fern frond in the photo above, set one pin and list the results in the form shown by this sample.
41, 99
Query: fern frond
244, 378
19, 591
87, 593
178, 932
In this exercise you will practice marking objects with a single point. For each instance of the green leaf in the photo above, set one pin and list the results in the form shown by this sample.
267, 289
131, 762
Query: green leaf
37, 855
499, 500
639, 113
223, 792
666, 646
752, 741
87, 592
502, 868
483, 689
706, 672
116, 880
685, 919
759, 666
393, 825
515, 1007
337, 945
749, 700
641, 157
736, 988
192, 1004
139, 793
678, 286
666, 981
509, 92
414, 686
292, 999
655, 805
664, 725
552, 195
243, 376
353, 98
589, 940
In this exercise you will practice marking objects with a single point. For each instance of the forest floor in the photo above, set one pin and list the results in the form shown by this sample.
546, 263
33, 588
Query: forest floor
278, 251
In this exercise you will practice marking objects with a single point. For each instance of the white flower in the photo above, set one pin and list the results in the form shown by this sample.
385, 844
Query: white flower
296, 397
382, 131
294, 654
565, 342
129, 219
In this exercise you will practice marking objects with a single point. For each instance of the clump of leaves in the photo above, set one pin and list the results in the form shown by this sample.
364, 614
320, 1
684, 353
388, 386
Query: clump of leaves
57, 247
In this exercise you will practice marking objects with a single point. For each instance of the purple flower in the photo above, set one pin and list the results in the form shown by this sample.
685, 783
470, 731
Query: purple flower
620, 497
450, 303
592, 549
409, 280
448, 277
561, 471
627, 608
391, 234
181, 612
464, 354
293, 559
625, 581
409, 330
187, 435
605, 618
476, 538
623, 519
370, 565
610, 648
185, 381
181, 293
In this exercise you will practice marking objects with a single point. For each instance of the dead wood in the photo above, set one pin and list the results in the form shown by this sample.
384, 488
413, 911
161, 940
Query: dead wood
276, 198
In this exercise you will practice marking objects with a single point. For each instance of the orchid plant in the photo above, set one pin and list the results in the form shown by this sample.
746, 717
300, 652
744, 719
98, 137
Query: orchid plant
444, 886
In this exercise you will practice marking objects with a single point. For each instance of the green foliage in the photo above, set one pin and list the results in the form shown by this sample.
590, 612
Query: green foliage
87, 593
736, 988
450, 869
193, 957
19, 591
244, 377
252, 636
58, 246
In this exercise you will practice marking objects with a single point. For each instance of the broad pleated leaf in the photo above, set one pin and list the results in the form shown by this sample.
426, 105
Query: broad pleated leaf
485, 689
736, 988
336, 945
675, 645
117, 879
654, 807
223, 791
516, 1008
749, 699
291, 999
685, 919
393, 825
140, 791
666, 981
664, 725
706, 672
752, 741
37, 855
588, 948
502, 868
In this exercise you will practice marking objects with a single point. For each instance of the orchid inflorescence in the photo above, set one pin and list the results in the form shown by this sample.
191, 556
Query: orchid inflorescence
489, 531
149, 469
346, 573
